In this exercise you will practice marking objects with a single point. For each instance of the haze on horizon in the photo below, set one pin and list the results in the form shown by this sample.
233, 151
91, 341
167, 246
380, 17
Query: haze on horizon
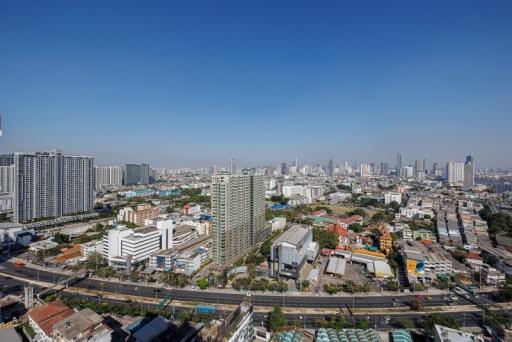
181, 84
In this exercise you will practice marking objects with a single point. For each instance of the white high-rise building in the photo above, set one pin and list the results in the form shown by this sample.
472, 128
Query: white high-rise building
50, 185
7, 178
419, 169
365, 170
108, 177
455, 173
238, 208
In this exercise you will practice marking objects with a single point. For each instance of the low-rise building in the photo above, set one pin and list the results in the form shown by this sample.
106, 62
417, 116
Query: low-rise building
43, 318
278, 223
139, 215
84, 325
491, 276
292, 250
445, 334
123, 246
391, 197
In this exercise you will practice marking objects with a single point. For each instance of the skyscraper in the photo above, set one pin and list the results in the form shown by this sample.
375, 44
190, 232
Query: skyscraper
384, 169
419, 169
398, 164
49, 184
7, 178
108, 176
469, 173
238, 208
232, 165
455, 173
136, 174
330, 167
284, 169
365, 170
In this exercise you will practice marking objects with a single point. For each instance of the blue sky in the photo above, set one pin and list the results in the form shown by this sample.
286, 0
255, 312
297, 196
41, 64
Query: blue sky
194, 83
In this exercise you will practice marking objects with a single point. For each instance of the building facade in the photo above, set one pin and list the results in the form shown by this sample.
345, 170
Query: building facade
455, 173
51, 185
108, 177
469, 173
238, 208
136, 174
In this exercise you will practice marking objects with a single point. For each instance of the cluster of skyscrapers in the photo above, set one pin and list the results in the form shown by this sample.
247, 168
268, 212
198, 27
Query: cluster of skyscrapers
45, 185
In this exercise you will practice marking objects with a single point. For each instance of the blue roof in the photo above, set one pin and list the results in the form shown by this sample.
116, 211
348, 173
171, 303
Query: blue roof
279, 206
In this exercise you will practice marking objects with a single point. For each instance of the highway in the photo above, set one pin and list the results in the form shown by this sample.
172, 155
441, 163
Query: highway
286, 300
309, 320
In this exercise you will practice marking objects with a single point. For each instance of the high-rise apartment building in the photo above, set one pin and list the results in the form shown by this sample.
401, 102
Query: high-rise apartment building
232, 165
136, 174
49, 184
384, 169
284, 169
238, 208
330, 167
455, 173
469, 173
398, 164
7, 178
419, 169
108, 177
365, 170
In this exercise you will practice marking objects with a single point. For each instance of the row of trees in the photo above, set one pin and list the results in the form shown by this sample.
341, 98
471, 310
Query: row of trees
349, 287
259, 285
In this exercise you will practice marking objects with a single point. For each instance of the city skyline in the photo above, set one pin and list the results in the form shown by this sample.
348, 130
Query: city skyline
194, 86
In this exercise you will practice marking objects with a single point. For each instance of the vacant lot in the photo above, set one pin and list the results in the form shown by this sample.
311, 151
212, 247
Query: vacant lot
341, 209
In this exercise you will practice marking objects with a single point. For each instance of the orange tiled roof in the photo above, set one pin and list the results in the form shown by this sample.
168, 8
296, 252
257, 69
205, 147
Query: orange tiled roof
47, 315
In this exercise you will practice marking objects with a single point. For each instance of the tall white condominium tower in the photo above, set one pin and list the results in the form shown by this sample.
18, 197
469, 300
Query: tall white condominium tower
469, 173
7, 178
238, 208
49, 184
455, 173
108, 177
419, 169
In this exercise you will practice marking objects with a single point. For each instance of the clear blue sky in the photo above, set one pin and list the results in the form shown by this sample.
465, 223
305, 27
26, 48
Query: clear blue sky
194, 83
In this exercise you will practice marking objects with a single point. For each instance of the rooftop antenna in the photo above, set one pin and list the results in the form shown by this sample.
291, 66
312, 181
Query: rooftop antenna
1, 131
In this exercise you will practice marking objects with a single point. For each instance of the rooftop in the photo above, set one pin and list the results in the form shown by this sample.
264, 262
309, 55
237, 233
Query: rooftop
293, 235
49, 314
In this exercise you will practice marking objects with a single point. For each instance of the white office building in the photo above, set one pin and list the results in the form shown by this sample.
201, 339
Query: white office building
392, 197
122, 245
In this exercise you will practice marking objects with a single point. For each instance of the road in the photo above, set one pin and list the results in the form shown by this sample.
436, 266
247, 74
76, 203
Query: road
308, 320
267, 300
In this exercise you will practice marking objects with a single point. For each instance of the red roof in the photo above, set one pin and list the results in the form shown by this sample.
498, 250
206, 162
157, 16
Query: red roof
187, 206
473, 256
48, 315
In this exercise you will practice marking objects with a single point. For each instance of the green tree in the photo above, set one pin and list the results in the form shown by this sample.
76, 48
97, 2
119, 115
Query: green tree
202, 283
356, 227
359, 211
392, 286
61, 238
275, 319
325, 238
305, 285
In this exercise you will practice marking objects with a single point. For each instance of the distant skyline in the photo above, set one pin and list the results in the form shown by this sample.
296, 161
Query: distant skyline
177, 84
